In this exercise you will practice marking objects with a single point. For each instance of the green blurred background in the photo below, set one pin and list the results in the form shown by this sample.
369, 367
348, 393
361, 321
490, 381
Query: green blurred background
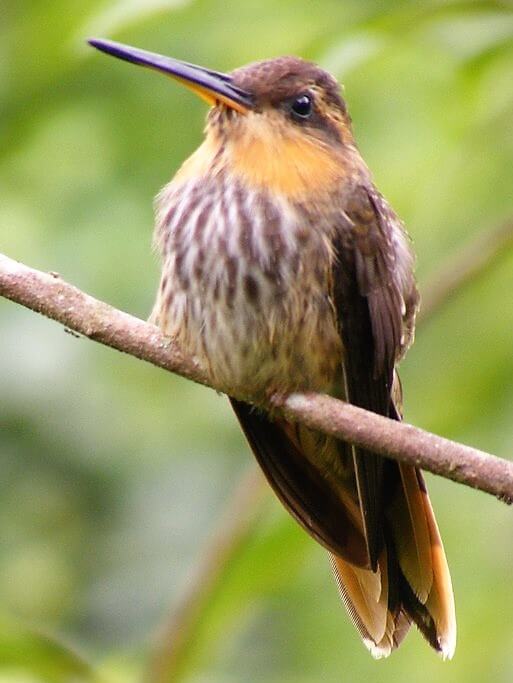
114, 474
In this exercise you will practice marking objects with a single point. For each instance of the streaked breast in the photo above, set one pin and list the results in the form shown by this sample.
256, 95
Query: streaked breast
245, 285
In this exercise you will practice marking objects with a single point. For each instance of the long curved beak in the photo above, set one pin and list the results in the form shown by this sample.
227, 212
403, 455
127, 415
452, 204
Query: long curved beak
212, 86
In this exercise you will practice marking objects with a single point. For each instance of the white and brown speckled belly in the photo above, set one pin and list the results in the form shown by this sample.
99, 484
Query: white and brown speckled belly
244, 288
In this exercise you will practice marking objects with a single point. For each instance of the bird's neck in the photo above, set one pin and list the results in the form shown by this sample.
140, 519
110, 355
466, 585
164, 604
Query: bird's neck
285, 162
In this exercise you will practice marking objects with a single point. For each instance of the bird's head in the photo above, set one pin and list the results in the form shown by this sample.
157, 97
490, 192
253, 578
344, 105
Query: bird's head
282, 122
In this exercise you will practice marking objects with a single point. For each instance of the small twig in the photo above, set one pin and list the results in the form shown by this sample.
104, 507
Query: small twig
466, 266
232, 529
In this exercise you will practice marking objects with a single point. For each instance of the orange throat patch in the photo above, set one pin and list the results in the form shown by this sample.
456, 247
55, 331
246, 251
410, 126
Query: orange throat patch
283, 159
264, 154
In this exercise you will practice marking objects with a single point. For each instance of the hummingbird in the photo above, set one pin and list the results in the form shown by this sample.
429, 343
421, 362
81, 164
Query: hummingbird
285, 270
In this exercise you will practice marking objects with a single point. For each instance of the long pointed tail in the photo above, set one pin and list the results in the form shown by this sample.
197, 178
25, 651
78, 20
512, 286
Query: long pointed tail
412, 582
315, 481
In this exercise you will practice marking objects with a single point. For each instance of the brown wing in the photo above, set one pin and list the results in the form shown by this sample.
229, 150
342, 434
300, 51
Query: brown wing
369, 296
376, 300
326, 511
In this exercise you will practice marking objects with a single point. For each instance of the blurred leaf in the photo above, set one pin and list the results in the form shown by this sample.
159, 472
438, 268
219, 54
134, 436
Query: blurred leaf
32, 656
123, 14
352, 52
471, 34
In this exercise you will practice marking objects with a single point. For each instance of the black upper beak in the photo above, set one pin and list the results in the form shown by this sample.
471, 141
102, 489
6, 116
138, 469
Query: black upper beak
212, 86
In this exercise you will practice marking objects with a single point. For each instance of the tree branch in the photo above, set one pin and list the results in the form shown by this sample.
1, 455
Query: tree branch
467, 265
403, 442
49, 295
231, 530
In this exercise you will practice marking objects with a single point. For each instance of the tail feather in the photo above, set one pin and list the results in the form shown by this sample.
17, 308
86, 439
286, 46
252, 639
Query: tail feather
370, 602
317, 484
440, 603
410, 530
365, 595
415, 566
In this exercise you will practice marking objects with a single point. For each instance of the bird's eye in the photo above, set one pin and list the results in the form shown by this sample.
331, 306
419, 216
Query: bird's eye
302, 106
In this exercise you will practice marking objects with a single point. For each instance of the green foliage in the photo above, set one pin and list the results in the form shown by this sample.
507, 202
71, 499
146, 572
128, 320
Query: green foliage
114, 473
27, 655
